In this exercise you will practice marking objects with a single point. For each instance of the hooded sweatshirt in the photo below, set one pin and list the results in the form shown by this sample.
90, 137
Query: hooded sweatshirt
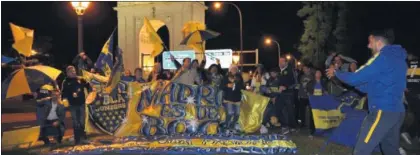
383, 78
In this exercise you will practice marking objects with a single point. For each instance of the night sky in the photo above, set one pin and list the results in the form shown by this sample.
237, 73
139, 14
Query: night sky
277, 19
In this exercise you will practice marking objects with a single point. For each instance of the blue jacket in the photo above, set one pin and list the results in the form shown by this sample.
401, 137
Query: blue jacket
383, 78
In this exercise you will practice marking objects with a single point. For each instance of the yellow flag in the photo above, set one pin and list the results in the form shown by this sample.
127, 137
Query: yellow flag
153, 38
24, 39
251, 111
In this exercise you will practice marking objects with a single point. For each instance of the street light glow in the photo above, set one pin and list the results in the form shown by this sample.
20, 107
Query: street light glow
80, 7
288, 57
217, 5
298, 63
268, 41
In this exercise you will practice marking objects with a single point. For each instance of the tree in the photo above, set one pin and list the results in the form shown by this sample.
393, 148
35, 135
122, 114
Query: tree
323, 27
340, 31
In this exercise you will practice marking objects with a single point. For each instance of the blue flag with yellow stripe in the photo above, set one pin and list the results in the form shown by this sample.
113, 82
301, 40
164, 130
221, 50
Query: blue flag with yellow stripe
105, 59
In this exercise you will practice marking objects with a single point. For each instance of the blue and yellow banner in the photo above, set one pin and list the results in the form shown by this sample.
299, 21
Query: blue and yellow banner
188, 144
329, 111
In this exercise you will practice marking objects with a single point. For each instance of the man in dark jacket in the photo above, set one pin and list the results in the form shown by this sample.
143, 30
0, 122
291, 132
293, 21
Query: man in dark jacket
50, 114
73, 90
383, 78
412, 95
286, 97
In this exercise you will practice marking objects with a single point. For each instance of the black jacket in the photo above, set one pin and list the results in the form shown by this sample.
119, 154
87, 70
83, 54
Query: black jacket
228, 93
74, 85
286, 78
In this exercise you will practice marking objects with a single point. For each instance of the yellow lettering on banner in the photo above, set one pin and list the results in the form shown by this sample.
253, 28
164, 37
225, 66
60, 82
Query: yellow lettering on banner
326, 119
197, 142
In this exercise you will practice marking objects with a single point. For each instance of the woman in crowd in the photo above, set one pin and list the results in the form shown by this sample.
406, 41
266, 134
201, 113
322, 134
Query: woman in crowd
259, 78
214, 75
138, 75
232, 85
317, 87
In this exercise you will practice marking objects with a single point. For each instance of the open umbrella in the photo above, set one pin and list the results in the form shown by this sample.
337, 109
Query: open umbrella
197, 38
24, 38
28, 80
6, 60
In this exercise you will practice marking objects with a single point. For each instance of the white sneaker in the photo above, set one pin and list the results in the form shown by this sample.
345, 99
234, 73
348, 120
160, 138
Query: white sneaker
263, 129
402, 151
406, 137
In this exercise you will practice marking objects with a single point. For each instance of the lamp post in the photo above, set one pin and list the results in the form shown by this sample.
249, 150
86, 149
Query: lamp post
80, 8
268, 41
218, 5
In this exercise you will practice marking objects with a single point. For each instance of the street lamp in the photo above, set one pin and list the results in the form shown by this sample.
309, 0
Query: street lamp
218, 5
268, 41
288, 57
80, 8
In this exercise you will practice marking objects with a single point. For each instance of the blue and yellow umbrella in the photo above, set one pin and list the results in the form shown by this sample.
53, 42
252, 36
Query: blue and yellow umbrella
197, 38
28, 80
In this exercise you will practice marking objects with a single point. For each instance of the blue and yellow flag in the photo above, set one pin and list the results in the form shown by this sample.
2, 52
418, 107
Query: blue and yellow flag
116, 73
104, 61
154, 38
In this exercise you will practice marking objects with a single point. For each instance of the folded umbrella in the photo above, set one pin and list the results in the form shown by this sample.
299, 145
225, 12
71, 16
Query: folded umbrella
28, 80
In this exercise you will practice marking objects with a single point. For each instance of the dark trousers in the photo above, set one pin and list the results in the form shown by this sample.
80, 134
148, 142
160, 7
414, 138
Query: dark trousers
269, 112
285, 104
48, 126
232, 115
383, 128
300, 110
414, 107
78, 119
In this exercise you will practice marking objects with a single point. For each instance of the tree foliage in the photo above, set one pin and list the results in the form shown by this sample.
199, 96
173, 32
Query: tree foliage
325, 29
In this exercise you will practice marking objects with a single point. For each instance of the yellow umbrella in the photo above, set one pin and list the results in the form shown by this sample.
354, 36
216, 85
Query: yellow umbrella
24, 39
28, 80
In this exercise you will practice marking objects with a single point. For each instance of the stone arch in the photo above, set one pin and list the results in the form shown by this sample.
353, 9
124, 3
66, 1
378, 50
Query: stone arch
173, 14
146, 61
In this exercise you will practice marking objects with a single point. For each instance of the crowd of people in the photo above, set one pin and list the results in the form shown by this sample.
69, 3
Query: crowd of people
288, 86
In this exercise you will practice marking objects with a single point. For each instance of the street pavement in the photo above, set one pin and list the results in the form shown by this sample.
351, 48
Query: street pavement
17, 114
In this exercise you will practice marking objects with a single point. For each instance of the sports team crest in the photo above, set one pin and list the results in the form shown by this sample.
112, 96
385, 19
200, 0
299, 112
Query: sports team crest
108, 111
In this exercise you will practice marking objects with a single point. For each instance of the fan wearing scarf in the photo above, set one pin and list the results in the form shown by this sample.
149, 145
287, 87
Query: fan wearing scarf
383, 78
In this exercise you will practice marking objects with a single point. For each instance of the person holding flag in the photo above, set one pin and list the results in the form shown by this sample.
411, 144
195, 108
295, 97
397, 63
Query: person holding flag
383, 78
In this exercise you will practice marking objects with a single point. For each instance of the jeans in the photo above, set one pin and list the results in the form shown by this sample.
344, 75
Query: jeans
286, 107
232, 114
380, 127
78, 118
